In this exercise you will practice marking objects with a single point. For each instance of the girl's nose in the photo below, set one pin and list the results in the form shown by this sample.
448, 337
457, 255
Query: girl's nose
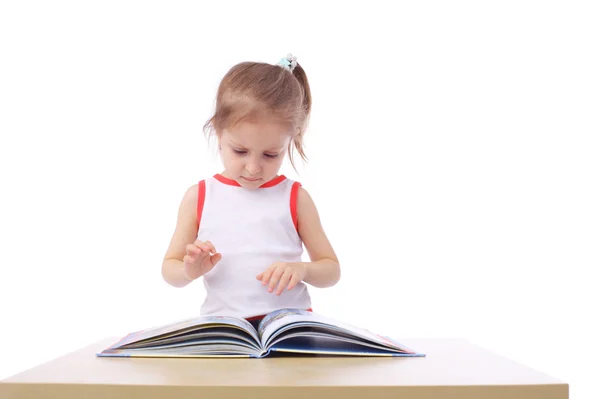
253, 168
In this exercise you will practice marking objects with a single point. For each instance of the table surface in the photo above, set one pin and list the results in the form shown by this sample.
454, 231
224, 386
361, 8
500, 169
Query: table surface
453, 368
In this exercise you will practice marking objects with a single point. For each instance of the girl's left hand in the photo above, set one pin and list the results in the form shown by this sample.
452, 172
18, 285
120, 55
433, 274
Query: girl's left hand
282, 274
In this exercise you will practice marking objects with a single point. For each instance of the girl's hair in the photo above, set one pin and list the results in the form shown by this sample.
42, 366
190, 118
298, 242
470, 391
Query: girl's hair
255, 91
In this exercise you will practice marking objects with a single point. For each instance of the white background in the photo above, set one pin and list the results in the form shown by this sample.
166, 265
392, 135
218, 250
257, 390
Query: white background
454, 158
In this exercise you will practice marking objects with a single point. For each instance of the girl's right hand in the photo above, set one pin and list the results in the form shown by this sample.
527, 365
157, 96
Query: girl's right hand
200, 257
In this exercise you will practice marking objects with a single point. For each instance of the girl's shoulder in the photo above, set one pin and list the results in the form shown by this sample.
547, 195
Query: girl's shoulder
191, 193
190, 200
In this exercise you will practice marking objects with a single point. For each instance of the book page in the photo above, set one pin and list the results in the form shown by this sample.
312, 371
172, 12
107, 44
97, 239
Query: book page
326, 345
287, 319
274, 318
198, 336
188, 325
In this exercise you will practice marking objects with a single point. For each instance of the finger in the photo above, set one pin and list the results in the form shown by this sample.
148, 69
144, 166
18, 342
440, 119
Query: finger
260, 276
211, 247
293, 281
190, 258
285, 279
214, 259
202, 245
206, 248
275, 278
267, 274
191, 249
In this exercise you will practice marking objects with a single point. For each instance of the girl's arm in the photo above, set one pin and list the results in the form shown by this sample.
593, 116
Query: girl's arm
322, 271
185, 233
324, 268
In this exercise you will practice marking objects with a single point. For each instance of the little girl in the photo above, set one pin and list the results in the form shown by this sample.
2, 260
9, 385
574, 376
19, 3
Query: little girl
242, 230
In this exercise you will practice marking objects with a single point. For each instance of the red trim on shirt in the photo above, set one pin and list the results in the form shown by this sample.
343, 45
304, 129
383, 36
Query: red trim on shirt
294, 203
273, 182
232, 182
260, 317
227, 181
201, 195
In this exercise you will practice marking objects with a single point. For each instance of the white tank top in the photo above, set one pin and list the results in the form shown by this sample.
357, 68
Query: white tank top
252, 229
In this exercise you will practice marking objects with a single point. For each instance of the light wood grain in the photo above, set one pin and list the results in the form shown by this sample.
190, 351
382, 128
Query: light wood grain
451, 369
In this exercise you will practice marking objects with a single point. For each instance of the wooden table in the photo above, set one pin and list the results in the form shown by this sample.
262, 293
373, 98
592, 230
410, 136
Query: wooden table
451, 369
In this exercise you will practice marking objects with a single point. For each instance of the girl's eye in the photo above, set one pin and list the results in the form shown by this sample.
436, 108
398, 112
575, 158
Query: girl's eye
243, 152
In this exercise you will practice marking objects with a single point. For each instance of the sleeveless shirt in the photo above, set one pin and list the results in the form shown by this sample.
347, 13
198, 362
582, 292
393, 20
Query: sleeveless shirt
252, 229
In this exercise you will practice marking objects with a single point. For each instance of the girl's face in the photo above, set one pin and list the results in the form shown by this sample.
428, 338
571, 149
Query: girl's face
252, 152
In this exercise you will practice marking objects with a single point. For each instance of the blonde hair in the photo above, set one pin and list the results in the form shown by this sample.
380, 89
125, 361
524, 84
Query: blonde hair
254, 91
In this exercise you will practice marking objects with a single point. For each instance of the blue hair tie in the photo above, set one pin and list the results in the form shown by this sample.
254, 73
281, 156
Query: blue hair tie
288, 62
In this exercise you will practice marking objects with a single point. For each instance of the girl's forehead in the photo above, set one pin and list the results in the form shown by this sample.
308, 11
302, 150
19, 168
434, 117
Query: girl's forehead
260, 126
258, 133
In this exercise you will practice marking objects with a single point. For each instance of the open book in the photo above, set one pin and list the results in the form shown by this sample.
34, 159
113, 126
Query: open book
285, 330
